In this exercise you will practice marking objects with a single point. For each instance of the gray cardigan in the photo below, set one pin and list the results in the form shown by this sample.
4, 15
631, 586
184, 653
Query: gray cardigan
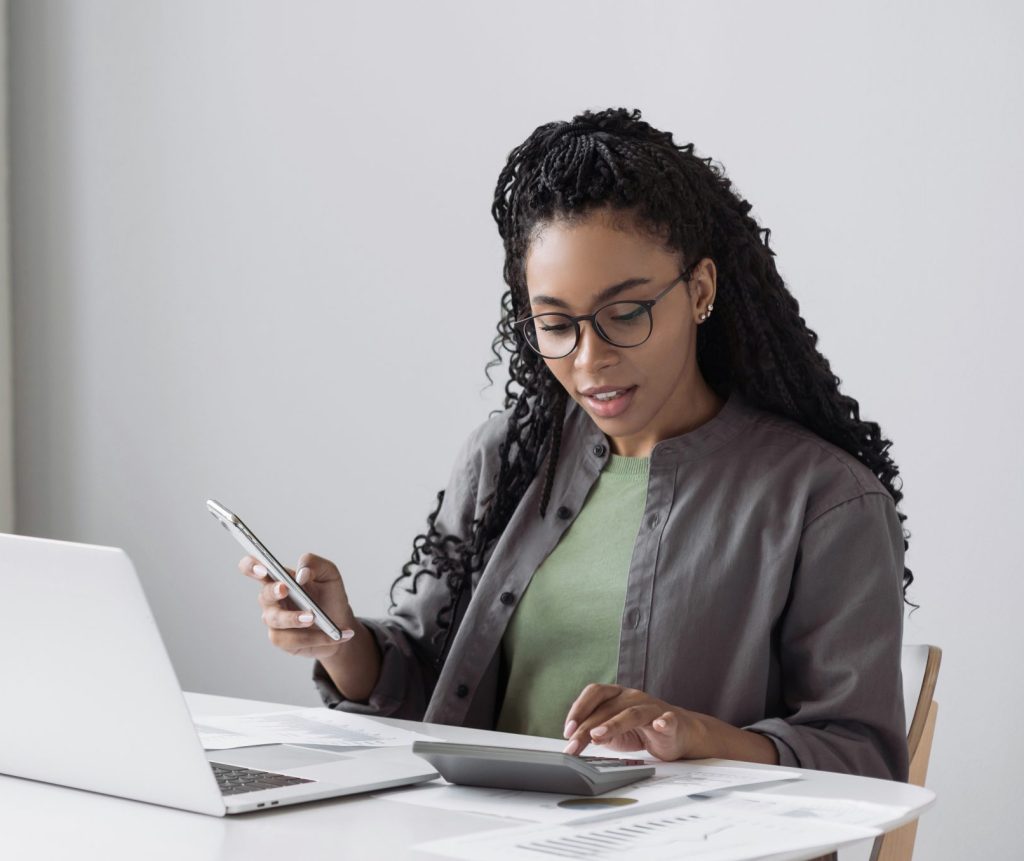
764, 589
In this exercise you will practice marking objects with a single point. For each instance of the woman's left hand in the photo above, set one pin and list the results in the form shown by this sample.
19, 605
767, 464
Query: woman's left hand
624, 719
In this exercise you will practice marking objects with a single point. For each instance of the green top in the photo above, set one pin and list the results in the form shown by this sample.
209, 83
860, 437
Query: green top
565, 632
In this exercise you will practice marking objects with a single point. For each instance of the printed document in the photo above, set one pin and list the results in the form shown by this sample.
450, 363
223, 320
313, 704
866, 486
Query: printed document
671, 781
696, 829
320, 726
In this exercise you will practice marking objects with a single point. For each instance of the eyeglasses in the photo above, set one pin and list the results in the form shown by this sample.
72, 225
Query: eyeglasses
621, 324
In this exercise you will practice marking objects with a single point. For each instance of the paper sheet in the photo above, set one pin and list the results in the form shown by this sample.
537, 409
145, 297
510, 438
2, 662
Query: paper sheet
302, 726
217, 739
704, 830
842, 810
690, 778
672, 781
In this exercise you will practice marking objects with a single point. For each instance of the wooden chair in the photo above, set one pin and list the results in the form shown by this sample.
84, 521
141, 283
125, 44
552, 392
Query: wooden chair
920, 670
920, 666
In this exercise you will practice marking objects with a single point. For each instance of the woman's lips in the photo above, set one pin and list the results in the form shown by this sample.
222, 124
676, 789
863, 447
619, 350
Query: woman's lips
609, 409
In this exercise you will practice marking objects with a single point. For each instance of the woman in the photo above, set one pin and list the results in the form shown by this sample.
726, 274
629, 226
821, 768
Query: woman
678, 535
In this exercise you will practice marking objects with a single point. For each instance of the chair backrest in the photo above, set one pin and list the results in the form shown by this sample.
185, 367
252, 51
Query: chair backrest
920, 670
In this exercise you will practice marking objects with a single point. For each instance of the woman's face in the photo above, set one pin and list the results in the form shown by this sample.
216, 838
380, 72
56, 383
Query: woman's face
567, 267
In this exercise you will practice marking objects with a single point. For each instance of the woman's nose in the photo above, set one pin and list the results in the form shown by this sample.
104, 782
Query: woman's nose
591, 347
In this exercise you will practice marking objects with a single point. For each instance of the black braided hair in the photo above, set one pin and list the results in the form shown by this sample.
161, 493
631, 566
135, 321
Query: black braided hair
756, 342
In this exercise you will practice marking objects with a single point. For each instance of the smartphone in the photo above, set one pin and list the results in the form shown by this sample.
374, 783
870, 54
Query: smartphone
244, 536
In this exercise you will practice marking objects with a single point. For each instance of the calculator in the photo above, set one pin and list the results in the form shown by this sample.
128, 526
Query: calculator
535, 770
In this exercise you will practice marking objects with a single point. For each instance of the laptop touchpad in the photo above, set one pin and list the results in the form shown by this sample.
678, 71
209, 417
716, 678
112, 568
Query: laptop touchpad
274, 757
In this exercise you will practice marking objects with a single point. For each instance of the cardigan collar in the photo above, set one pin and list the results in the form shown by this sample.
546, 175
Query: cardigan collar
735, 413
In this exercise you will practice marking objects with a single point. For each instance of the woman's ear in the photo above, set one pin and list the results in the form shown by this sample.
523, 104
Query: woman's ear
702, 288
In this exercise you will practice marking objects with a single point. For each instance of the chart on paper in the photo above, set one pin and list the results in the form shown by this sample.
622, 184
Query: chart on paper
698, 830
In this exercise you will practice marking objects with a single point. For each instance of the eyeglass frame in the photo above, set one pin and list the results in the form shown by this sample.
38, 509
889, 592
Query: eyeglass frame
646, 303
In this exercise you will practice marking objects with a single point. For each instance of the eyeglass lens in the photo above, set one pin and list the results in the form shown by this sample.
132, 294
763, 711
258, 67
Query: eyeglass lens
625, 324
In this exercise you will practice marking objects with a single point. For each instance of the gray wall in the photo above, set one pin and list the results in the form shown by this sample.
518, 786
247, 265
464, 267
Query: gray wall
215, 205
6, 347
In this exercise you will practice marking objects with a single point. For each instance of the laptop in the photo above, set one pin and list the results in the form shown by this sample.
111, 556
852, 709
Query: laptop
91, 700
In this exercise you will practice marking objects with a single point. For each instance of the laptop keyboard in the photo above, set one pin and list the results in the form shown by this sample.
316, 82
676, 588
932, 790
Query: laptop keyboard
233, 779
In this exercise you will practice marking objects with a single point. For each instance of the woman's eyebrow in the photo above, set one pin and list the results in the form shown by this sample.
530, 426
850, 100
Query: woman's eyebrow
607, 293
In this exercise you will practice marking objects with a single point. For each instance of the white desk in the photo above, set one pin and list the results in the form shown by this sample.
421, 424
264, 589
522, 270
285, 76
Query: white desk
41, 821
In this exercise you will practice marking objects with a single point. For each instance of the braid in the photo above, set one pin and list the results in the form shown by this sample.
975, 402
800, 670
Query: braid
556, 444
757, 342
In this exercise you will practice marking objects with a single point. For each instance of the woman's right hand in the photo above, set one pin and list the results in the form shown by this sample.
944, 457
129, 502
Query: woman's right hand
291, 628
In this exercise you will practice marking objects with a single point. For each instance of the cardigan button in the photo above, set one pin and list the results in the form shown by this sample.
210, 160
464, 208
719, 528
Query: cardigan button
507, 598
564, 513
599, 450
461, 691
633, 617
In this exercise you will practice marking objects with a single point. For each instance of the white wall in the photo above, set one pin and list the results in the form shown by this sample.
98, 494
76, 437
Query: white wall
215, 205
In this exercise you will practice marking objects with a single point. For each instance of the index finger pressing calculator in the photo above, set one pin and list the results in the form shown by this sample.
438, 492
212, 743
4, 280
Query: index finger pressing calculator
535, 770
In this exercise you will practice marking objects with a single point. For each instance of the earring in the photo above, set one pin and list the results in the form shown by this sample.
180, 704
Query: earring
706, 314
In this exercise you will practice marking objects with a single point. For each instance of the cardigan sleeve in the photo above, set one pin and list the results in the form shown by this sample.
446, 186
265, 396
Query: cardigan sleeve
406, 637
840, 645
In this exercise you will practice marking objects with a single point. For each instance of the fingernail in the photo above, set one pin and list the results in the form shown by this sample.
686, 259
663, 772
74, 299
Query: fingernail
280, 590
570, 728
259, 570
347, 634
572, 746
302, 576
659, 724
599, 730
306, 617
